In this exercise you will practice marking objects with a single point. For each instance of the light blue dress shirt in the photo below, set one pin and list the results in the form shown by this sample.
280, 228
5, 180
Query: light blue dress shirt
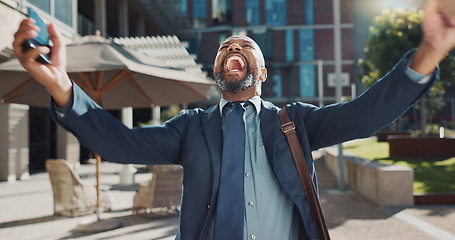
268, 209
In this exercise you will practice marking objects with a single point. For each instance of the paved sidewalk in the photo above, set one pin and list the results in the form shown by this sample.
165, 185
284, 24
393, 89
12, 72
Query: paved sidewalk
350, 216
26, 213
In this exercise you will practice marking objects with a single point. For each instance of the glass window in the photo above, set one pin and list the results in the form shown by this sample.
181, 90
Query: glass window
61, 9
252, 12
265, 41
221, 11
307, 85
183, 6
309, 13
199, 13
275, 12
277, 83
193, 45
306, 38
199, 9
221, 38
307, 74
64, 11
289, 45
44, 5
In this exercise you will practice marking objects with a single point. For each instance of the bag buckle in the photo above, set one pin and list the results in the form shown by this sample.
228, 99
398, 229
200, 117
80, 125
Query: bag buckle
287, 127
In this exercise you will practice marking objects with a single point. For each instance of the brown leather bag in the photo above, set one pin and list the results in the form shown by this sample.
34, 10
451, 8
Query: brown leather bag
288, 128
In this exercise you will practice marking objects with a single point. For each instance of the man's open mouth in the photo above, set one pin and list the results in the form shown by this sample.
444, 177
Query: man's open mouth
234, 64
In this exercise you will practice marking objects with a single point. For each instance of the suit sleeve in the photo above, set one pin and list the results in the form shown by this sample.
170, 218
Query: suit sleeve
381, 104
100, 132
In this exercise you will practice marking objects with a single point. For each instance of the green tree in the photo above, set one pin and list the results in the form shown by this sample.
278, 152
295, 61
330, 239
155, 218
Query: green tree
392, 34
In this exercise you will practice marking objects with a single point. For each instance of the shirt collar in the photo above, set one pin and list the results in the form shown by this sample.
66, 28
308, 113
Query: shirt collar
256, 100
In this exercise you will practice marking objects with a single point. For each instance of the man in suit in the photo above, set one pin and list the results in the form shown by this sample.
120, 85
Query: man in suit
272, 201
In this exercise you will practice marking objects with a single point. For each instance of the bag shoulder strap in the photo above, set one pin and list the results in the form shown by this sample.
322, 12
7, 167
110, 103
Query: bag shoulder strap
288, 128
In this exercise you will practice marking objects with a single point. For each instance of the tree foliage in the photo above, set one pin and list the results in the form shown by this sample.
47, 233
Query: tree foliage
392, 34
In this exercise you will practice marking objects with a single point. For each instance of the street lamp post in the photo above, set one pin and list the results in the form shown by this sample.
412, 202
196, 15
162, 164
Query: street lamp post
338, 88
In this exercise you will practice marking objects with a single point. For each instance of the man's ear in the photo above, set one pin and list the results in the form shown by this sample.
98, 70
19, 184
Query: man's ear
263, 76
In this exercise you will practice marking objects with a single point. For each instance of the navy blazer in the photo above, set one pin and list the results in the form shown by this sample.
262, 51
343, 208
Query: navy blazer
193, 139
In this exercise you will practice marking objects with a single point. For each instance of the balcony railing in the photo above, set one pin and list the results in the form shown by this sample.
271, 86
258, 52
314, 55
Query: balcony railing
85, 26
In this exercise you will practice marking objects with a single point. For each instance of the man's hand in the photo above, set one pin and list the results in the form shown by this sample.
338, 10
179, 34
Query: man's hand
52, 76
439, 36
448, 9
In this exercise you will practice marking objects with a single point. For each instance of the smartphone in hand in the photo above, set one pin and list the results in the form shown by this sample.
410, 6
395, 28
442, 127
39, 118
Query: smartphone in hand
41, 40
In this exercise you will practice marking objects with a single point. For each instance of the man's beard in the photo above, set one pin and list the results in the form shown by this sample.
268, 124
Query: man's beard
236, 86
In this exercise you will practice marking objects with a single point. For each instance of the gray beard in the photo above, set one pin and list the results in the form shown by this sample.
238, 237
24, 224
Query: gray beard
235, 87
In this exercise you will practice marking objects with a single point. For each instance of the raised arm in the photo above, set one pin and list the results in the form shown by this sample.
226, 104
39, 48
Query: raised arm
380, 105
77, 113
438, 28
52, 76
389, 97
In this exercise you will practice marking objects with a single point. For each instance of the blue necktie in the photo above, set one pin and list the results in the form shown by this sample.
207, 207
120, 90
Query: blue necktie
230, 204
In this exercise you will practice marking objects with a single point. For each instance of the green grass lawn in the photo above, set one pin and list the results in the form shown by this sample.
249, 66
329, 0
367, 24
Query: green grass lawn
430, 176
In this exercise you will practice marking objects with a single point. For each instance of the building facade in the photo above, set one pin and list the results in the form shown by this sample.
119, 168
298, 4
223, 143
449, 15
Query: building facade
296, 37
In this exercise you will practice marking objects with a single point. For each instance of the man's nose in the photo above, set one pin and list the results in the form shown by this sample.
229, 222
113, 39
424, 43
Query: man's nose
234, 47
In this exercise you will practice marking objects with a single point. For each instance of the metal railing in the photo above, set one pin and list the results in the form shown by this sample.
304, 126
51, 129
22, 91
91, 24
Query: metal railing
85, 26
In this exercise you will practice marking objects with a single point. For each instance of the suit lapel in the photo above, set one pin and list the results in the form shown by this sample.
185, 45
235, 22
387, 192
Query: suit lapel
213, 134
281, 160
269, 126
